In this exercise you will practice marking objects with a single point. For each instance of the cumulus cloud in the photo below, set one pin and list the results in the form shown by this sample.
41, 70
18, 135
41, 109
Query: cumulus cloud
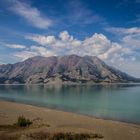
64, 36
129, 41
129, 37
63, 41
115, 50
42, 40
23, 55
42, 51
16, 46
31, 14
97, 45
34, 51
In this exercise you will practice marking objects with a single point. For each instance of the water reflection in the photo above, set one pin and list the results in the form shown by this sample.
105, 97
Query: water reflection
119, 102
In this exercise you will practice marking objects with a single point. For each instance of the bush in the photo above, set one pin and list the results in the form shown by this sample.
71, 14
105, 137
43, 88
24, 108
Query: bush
23, 122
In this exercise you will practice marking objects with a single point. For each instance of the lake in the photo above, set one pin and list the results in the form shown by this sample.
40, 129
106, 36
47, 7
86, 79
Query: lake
116, 102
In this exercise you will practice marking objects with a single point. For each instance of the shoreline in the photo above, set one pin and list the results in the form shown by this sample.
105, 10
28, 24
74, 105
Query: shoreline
74, 84
57, 109
68, 122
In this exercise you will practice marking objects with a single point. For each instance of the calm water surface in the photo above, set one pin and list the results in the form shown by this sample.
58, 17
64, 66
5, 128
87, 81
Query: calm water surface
116, 102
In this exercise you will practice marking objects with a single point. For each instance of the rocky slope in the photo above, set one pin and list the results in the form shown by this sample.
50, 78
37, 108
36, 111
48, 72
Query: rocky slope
66, 69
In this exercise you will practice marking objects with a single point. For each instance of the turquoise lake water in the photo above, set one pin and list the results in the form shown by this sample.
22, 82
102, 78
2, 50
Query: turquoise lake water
116, 102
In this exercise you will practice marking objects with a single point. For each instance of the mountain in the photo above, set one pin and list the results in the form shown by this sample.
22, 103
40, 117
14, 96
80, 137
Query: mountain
65, 69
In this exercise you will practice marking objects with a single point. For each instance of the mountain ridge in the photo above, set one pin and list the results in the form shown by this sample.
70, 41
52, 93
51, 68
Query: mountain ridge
69, 69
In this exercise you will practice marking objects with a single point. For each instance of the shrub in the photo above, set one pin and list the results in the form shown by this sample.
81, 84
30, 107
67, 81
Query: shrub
23, 122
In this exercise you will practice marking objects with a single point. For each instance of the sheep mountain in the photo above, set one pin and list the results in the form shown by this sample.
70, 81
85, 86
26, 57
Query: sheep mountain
62, 70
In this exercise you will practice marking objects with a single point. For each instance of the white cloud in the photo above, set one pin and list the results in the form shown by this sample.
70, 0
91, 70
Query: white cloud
123, 31
42, 40
16, 46
130, 51
112, 52
129, 37
31, 14
64, 41
42, 51
34, 51
64, 36
97, 45
23, 55
132, 41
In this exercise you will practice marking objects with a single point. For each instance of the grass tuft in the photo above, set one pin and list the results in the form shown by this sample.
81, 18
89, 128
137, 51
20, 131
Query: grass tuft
23, 122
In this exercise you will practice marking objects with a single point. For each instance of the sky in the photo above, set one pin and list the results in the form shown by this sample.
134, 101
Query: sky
108, 29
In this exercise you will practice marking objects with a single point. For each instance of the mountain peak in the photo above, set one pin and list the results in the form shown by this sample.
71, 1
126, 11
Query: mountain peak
62, 69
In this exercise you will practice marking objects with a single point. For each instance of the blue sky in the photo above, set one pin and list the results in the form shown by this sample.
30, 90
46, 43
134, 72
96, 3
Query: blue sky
109, 29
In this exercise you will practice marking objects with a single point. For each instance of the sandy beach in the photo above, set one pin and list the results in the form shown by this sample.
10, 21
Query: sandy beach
49, 120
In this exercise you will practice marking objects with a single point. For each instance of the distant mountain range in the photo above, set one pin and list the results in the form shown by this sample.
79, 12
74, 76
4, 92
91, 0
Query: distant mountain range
71, 69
